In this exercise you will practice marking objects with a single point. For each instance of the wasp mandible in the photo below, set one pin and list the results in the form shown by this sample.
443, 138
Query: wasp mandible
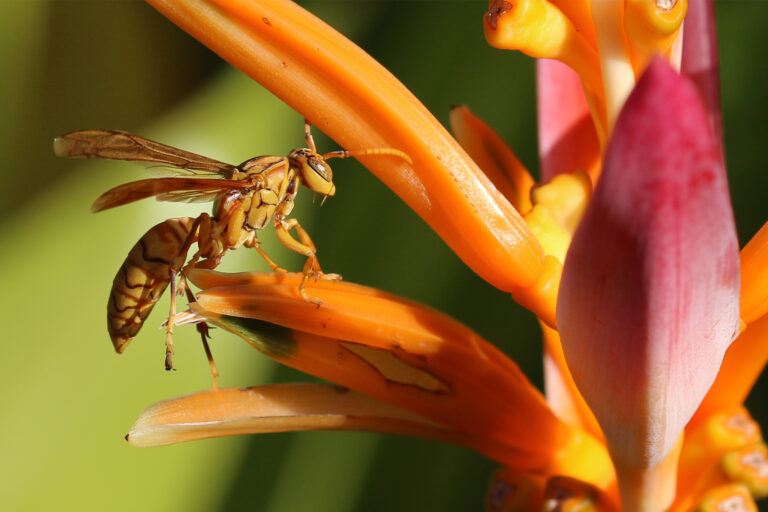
245, 199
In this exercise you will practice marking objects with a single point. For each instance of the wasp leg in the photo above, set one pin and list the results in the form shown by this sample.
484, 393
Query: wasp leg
305, 247
209, 248
255, 244
274, 266
306, 240
203, 329
207, 263
173, 271
308, 135
169, 324
317, 273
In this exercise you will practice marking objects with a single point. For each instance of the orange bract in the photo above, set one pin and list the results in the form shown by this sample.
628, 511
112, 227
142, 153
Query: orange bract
582, 414
392, 349
754, 277
742, 365
357, 102
494, 157
274, 408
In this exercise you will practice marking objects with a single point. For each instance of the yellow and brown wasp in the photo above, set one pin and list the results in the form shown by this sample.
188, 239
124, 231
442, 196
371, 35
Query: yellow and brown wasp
245, 198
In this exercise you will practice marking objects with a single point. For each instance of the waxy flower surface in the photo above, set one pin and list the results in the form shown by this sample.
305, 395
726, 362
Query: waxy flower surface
654, 324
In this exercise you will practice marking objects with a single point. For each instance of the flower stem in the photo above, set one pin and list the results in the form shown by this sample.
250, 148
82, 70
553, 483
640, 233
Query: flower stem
649, 489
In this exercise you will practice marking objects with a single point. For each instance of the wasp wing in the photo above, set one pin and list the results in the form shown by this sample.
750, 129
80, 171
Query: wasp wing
190, 196
117, 145
166, 189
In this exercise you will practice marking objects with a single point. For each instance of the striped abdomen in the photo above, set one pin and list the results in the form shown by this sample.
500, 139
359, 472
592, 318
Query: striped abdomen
143, 277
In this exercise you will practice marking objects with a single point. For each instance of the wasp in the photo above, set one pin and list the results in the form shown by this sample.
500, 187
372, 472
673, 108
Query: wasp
246, 198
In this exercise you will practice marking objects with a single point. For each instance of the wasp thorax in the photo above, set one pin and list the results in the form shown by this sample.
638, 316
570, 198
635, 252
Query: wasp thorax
315, 171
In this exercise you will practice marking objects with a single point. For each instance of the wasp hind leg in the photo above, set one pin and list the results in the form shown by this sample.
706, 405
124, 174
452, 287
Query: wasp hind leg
203, 329
173, 271
169, 323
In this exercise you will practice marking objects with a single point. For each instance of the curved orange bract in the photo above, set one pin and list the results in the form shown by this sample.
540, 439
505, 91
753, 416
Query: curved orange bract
390, 348
352, 98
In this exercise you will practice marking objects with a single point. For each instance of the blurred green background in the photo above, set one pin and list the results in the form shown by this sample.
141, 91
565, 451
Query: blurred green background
68, 399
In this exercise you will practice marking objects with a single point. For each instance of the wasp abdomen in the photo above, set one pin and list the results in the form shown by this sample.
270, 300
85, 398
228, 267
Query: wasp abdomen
144, 276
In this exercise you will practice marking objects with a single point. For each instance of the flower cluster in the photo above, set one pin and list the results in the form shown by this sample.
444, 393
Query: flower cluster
654, 322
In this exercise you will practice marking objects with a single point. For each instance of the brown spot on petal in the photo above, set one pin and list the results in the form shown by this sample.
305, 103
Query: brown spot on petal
496, 10
340, 389
266, 21
395, 370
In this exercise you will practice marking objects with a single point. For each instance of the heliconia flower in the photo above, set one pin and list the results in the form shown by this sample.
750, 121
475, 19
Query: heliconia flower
649, 300
625, 250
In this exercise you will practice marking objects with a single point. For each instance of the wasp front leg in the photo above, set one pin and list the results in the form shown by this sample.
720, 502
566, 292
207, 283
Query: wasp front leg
314, 270
303, 246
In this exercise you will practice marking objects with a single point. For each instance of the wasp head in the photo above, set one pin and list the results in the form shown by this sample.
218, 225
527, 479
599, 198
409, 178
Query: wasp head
315, 172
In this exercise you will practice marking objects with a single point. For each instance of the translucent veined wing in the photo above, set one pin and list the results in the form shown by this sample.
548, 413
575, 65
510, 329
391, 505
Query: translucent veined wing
190, 196
256, 165
117, 145
191, 189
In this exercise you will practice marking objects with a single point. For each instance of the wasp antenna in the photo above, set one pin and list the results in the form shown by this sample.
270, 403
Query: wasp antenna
369, 151
337, 154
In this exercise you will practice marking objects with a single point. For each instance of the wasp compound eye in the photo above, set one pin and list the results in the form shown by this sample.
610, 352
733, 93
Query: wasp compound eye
320, 167
318, 176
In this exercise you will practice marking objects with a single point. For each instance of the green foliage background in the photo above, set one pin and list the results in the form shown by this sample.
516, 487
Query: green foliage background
68, 399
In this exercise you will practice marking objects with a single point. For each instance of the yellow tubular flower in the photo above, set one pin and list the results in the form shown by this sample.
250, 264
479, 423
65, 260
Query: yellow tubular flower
653, 26
617, 74
727, 497
541, 30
